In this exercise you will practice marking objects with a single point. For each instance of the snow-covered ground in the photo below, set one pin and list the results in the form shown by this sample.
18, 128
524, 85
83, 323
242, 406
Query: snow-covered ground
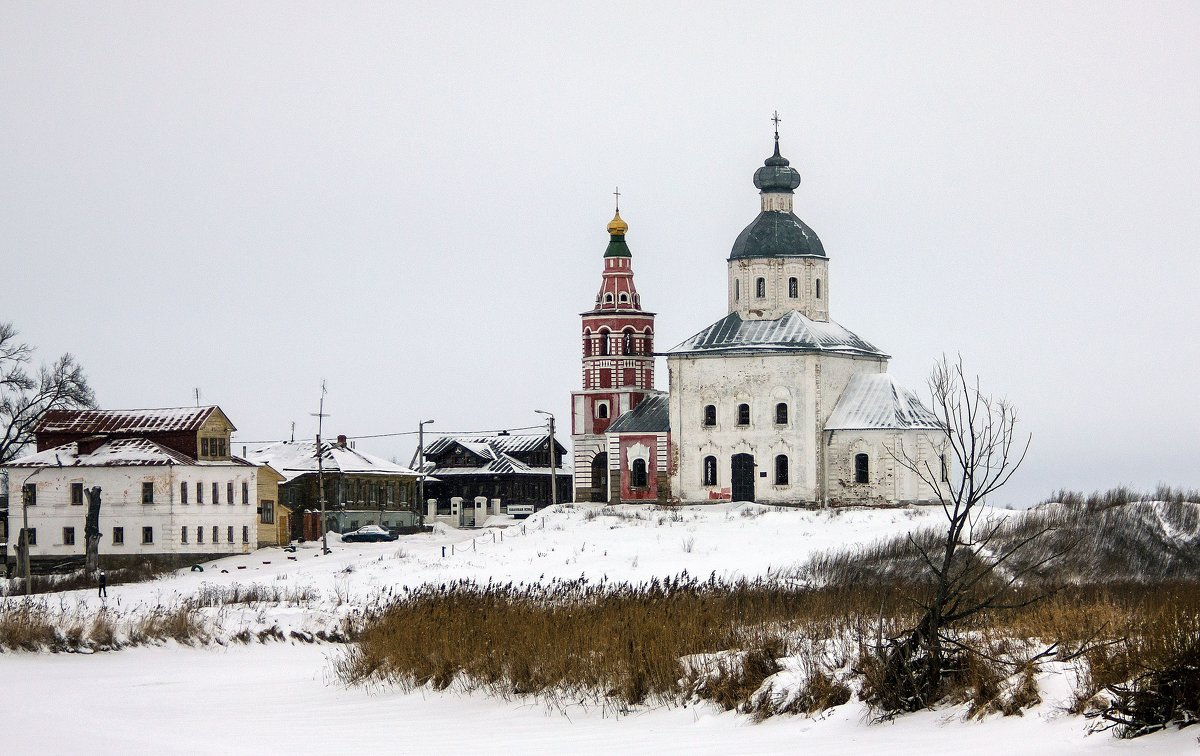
281, 697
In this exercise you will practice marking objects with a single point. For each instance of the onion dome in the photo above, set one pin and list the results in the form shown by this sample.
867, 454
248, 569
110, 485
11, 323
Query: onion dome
616, 237
777, 232
777, 175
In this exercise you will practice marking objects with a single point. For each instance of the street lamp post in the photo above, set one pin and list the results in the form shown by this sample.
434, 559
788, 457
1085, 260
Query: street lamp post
421, 480
553, 467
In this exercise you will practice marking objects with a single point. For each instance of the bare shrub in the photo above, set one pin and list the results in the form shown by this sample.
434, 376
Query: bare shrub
27, 627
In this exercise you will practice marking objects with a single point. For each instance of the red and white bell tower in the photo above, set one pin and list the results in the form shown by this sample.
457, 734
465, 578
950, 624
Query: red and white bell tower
618, 364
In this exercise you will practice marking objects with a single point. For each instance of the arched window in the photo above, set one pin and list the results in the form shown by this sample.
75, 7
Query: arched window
637, 474
608, 298
743, 414
604, 342
862, 468
781, 470
602, 410
710, 471
818, 288
737, 290
760, 288
623, 298
627, 342
781, 413
710, 414
793, 288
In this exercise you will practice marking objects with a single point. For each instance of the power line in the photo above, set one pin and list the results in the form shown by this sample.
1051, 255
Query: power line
413, 433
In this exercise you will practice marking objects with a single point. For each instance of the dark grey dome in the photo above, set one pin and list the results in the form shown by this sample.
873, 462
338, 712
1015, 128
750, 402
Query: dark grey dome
777, 234
777, 175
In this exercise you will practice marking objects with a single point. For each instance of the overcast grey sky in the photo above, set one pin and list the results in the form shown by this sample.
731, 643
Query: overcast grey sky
409, 200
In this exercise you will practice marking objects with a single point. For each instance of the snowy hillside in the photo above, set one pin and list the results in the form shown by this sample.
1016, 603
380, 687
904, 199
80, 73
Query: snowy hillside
289, 599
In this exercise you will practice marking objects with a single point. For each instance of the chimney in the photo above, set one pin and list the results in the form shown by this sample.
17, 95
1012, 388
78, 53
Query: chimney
342, 441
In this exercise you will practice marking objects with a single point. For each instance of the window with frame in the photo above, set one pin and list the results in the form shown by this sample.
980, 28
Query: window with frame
183, 531
204, 447
31, 536
118, 537
781, 413
266, 513
216, 492
623, 298
245, 492
743, 414
77, 494
862, 468
818, 288
793, 288
183, 492
781, 470
637, 474
602, 410
760, 288
245, 534
199, 492
710, 415
710, 471
229, 492
147, 492
229, 534
29, 494
199, 534
604, 346
147, 534
737, 290
216, 534
68, 536
627, 343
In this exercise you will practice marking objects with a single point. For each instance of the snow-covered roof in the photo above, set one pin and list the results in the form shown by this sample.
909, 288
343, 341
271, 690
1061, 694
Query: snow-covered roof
164, 420
877, 401
295, 458
487, 445
495, 451
117, 452
791, 333
650, 416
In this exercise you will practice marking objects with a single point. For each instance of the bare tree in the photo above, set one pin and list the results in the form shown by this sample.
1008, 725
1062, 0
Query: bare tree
977, 565
25, 396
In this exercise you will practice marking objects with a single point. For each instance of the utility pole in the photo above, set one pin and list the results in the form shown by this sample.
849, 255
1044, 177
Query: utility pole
421, 461
321, 471
553, 468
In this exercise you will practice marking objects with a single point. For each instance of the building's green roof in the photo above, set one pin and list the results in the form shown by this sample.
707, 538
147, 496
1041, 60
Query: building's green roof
777, 234
617, 246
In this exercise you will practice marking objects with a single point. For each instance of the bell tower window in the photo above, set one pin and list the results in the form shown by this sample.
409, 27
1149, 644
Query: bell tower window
793, 288
760, 288
604, 342
737, 290
818, 288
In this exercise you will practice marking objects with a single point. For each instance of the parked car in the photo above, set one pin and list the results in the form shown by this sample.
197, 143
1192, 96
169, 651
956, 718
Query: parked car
368, 534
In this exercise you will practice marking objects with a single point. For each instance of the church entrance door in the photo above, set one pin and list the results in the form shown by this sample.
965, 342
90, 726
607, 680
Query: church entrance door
741, 478
600, 477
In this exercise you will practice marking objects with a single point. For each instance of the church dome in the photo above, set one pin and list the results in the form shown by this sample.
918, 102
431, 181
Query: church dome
777, 175
616, 237
777, 234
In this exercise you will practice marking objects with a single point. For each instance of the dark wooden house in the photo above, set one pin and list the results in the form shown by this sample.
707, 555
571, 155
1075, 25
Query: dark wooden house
511, 467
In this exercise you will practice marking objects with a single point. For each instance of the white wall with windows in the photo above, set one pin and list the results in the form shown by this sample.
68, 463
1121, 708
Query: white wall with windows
205, 509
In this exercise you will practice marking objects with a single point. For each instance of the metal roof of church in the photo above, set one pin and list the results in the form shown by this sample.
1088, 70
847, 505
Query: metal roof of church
791, 333
876, 401
650, 416
776, 233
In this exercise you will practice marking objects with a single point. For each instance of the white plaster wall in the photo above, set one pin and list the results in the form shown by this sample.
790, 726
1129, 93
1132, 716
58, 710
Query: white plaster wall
810, 383
121, 506
777, 303
889, 481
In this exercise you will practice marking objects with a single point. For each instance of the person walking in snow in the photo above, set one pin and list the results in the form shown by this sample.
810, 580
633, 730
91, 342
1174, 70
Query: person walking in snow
103, 582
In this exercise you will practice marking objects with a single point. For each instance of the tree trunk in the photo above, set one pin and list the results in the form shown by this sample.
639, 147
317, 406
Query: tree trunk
92, 531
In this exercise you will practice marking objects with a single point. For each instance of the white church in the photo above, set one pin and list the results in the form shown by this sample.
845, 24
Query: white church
774, 403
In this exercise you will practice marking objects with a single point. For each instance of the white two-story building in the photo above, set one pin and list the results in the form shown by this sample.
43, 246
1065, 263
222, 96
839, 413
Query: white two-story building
169, 488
